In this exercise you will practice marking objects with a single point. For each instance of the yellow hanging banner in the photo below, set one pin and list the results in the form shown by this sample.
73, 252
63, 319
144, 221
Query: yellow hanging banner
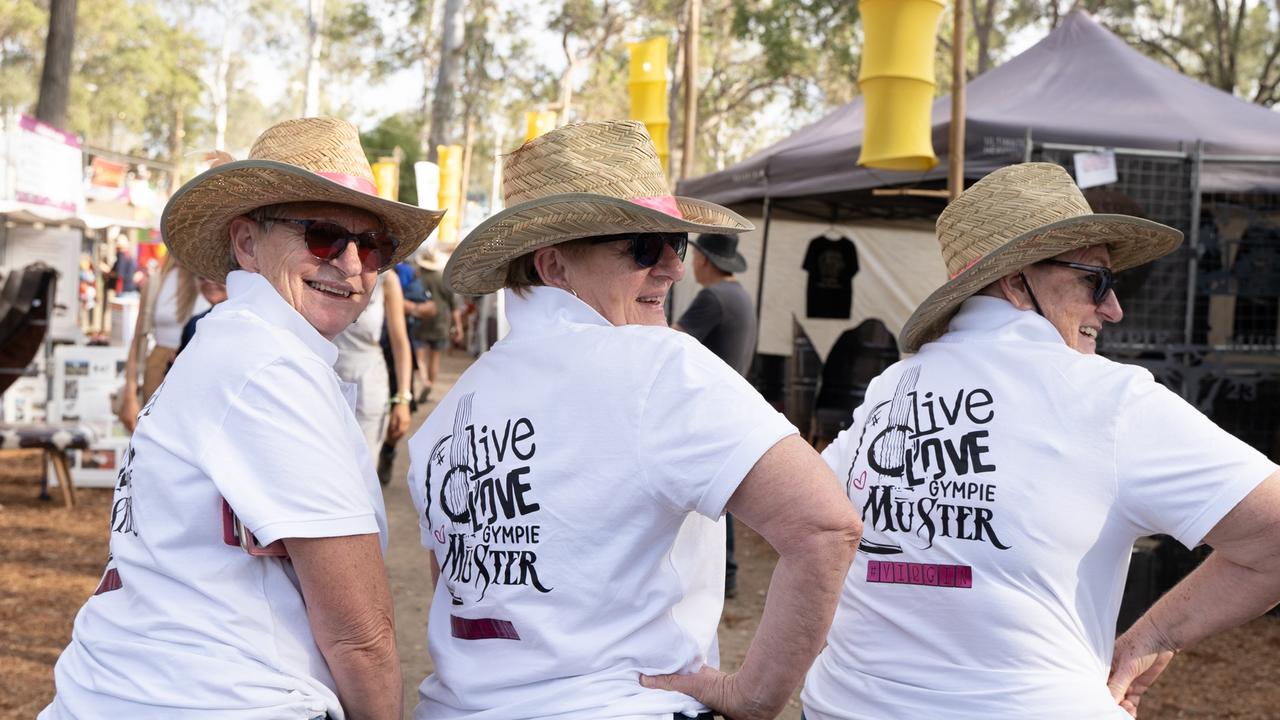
386, 176
450, 198
648, 86
897, 83
538, 122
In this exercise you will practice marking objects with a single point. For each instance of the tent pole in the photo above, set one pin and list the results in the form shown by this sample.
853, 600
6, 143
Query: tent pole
1193, 241
955, 153
764, 252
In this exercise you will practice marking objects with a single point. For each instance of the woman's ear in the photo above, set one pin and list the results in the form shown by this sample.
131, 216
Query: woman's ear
552, 268
1014, 289
243, 240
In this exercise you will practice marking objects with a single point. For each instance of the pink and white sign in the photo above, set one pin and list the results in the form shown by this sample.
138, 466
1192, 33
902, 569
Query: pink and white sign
45, 165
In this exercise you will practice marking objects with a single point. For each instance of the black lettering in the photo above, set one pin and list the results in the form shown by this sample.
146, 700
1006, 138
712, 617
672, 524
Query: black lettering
519, 436
951, 414
880, 502
970, 405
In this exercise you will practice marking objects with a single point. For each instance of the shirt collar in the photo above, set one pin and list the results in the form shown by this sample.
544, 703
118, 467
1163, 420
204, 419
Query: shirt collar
982, 317
254, 293
544, 307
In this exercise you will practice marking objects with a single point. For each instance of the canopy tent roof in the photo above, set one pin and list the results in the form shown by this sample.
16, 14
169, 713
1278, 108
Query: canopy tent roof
1079, 85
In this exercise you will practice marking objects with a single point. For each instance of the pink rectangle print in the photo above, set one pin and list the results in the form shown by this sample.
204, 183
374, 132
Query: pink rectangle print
930, 574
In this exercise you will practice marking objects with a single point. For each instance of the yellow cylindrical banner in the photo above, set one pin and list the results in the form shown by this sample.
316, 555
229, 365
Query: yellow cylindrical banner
897, 82
648, 87
538, 122
450, 161
386, 176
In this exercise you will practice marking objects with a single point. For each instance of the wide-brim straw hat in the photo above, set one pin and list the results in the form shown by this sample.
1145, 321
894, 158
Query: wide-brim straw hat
1014, 218
429, 260
302, 160
581, 180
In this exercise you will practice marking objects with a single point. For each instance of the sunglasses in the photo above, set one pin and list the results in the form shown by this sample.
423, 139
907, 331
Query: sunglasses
646, 248
327, 240
1102, 279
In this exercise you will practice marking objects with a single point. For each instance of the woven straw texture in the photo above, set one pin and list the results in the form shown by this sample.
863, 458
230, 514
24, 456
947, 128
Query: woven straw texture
281, 168
1013, 218
576, 182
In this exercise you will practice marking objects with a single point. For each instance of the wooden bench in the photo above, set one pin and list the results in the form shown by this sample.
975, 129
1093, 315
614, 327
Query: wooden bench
54, 440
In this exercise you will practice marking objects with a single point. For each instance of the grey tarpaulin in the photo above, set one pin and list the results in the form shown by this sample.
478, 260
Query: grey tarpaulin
1079, 85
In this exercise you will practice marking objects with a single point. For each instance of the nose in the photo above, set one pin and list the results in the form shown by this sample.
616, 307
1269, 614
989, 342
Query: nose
348, 262
1110, 308
670, 265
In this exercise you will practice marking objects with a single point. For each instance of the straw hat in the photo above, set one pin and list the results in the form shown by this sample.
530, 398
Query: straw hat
1016, 217
581, 180
303, 160
429, 260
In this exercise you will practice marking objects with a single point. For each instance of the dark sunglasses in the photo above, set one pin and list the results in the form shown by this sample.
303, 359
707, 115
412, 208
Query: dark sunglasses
1104, 280
646, 248
327, 240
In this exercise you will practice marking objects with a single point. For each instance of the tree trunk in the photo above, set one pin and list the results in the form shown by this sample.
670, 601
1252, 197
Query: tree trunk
566, 90
176, 138
315, 30
692, 30
468, 141
219, 89
442, 130
55, 77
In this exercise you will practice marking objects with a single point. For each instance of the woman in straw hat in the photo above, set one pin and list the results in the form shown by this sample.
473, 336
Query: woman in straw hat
245, 577
1005, 471
571, 483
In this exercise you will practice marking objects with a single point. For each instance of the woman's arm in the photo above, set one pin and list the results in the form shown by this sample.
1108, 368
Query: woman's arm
129, 407
794, 501
344, 584
1238, 582
401, 353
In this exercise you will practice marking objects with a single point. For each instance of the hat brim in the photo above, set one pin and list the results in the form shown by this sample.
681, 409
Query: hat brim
196, 219
479, 265
734, 263
1132, 241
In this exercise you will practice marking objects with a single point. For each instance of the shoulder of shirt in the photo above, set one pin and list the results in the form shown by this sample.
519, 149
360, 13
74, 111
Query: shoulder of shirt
241, 340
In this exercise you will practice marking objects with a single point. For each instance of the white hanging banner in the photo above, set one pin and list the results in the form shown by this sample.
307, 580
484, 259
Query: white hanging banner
1095, 168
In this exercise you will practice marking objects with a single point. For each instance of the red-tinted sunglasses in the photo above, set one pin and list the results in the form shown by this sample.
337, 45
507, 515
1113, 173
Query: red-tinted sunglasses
327, 240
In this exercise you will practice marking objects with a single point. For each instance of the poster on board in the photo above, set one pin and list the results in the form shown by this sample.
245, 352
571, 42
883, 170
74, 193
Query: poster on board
84, 378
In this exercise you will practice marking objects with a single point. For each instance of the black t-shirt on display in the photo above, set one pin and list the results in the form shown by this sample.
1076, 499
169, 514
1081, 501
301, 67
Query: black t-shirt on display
831, 265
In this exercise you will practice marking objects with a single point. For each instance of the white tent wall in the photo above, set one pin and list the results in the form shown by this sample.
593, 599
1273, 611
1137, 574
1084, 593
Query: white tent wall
898, 266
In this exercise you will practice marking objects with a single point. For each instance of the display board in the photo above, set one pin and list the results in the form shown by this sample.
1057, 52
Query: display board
84, 379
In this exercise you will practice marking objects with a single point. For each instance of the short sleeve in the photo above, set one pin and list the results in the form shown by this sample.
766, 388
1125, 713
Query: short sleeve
1177, 472
702, 316
702, 429
283, 457
810, 255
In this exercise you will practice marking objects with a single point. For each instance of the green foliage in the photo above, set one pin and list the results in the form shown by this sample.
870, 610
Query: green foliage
23, 24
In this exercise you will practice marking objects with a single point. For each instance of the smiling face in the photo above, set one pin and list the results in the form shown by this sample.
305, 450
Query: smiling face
606, 277
1066, 297
330, 294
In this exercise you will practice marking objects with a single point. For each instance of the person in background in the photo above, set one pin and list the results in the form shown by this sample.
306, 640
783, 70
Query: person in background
213, 292
169, 299
418, 307
123, 277
722, 318
570, 485
245, 577
435, 331
1005, 470
382, 416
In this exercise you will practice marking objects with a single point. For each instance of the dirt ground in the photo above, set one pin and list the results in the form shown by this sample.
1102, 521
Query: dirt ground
51, 559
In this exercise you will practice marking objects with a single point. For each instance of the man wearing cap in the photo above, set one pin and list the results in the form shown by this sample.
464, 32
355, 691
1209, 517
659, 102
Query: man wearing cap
722, 318
245, 576
1005, 471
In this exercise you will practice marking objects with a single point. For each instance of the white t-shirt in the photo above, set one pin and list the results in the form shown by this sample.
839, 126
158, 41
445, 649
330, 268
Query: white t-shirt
184, 625
164, 320
572, 485
1003, 479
